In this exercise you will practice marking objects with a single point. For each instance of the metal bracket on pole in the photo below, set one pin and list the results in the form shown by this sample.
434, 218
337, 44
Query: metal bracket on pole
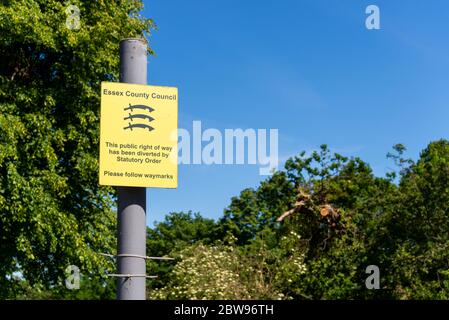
130, 275
116, 275
135, 256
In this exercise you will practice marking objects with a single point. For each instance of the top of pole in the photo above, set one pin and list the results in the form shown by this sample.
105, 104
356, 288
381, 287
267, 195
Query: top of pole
133, 60
144, 40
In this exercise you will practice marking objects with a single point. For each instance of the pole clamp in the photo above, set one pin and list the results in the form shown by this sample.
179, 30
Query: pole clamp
135, 256
130, 275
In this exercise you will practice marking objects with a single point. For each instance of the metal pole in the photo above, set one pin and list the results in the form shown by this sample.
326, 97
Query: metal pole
131, 200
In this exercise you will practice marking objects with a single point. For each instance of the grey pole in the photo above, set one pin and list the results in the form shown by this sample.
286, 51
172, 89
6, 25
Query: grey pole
131, 200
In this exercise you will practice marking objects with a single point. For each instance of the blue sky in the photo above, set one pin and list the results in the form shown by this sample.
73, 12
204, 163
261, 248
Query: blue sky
308, 68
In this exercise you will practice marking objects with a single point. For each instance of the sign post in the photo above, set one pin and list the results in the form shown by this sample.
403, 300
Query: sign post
131, 200
137, 148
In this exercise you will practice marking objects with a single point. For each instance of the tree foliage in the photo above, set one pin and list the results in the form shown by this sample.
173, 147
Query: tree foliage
398, 223
53, 213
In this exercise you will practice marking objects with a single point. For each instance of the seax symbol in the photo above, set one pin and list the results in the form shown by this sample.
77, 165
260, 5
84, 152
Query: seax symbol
138, 116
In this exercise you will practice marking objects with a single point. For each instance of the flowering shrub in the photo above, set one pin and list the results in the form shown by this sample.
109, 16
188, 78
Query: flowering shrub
228, 272
204, 272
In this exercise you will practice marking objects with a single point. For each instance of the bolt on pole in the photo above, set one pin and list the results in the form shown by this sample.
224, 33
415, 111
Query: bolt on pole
132, 200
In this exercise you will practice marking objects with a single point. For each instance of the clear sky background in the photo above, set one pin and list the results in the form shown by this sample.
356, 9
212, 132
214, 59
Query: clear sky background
309, 68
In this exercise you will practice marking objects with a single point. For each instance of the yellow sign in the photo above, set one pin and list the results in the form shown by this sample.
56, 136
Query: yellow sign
138, 135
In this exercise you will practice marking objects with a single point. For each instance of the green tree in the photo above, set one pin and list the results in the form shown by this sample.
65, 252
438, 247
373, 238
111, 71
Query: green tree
398, 223
178, 230
53, 213
338, 244
255, 210
335, 251
418, 228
